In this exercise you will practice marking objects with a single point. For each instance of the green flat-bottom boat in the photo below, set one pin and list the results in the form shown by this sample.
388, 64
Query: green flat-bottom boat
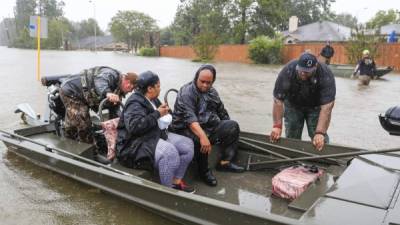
346, 71
353, 190
364, 192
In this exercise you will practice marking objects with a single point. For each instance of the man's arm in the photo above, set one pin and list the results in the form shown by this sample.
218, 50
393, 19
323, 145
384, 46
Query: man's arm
204, 141
323, 125
324, 117
277, 115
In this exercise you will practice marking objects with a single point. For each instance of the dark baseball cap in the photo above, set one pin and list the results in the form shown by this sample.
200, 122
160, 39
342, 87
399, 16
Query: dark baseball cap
306, 63
146, 79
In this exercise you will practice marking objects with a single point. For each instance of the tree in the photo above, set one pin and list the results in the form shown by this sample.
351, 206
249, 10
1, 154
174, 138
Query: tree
59, 32
382, 18
22, 11
196, 16
240, 12
85, 28
166, 36
130, 27
346, 19
50, 8
359, 42
269, 16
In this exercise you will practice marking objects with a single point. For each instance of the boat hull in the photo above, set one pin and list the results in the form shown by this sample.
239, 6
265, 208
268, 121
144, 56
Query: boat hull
346, 71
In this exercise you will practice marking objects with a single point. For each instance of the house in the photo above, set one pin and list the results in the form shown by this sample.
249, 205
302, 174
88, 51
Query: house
391, 30
321, 31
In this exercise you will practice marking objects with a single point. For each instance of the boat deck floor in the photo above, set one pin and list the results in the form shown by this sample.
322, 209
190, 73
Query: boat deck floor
251, 189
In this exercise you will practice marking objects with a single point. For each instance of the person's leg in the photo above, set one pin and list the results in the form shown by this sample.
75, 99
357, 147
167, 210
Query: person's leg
226, 134
166, 160
312, 115
184, 146
294, 121
78, 125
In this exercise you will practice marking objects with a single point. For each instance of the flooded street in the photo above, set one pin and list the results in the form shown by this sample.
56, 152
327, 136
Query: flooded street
32, 195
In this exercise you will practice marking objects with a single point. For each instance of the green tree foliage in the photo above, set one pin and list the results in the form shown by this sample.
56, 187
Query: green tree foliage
205, 45
269, 16
346, 19
382, 18
147, 51
196, 16
359, 42
59, 33
130, 27
166, 36
265, 50
240, 13
85, 28
50, 8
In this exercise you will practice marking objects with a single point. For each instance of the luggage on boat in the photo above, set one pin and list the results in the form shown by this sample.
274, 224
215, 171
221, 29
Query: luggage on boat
110, 134
291, 182
391, 120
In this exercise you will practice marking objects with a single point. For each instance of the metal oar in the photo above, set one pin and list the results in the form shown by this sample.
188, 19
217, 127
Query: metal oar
332, 161
338, 155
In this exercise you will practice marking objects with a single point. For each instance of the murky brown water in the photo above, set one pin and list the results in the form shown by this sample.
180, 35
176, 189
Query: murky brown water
31, 195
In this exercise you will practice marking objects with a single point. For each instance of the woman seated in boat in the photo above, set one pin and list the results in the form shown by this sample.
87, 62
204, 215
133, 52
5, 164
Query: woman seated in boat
367, 69
143, 141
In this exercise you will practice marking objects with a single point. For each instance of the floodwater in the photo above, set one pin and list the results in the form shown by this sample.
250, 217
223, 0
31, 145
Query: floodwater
32, 195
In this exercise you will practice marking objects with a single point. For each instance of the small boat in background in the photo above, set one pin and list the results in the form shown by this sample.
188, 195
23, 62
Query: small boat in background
346, 70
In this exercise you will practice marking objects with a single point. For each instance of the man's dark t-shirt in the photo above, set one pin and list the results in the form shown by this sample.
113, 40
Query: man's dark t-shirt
319, 90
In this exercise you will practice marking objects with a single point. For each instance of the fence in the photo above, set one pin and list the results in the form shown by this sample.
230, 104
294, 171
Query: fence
389, 54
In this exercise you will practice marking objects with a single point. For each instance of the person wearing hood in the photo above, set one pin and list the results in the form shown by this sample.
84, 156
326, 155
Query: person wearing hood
200, 114
143, 141
304, 91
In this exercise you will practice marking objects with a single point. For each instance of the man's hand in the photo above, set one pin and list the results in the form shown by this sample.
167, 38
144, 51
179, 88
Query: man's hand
205, 145
275, 134
113, 98
319, 141
163, 109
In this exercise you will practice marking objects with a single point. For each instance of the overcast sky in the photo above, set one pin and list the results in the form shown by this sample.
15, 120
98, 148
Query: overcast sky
164, 10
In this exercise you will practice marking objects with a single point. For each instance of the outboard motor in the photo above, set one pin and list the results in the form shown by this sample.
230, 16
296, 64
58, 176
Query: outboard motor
391, 120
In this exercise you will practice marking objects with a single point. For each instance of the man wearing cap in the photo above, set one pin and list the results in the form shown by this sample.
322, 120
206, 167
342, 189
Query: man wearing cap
200, 115
367, 68
85, 91
304, 92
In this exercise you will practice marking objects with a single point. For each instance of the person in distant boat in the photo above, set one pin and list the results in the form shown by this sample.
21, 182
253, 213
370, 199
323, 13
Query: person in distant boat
200, 114
327, 52
85, 91
367, 69
304, 91
143, 141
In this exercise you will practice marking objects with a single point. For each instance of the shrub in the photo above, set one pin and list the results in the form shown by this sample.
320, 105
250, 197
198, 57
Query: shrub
359, 42
205, 46
147, 51
265, 50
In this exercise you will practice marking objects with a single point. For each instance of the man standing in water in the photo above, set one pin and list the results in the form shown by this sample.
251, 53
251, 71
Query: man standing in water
327, 52
200, 115
304, 91
367, 69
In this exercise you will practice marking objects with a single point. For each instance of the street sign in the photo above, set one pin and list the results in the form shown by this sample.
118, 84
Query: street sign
33, 26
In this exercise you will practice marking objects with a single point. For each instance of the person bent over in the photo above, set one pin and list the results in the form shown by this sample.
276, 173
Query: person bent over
85, 91
143, 141
304, 92
200, 114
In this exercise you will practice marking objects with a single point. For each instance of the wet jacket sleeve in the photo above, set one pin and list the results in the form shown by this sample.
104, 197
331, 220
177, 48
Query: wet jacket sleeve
137, 120
105, 82
188, 103
221, 111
